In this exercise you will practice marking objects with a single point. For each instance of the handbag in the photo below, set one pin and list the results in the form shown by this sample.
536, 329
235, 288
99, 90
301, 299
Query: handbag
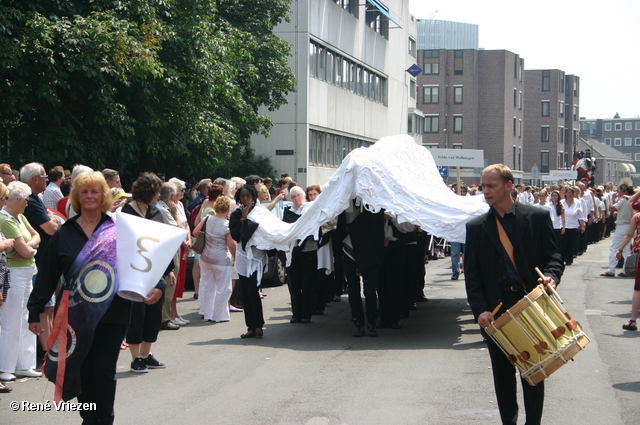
4, 281
630, 264
199, 244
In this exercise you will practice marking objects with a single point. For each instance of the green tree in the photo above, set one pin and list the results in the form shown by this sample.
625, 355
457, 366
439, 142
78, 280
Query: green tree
164, 85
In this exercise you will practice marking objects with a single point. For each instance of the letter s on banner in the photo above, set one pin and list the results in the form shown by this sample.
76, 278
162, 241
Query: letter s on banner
142, 258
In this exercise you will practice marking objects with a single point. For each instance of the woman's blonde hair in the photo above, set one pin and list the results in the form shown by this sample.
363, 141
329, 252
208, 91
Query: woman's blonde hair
222, 205
3, 191
90, 179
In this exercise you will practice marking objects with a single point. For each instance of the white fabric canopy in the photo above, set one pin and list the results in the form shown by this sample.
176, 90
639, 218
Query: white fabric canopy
394, 174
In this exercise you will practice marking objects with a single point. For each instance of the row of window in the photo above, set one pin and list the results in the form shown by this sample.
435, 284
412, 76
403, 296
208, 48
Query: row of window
329, 66
546, 82
431, 62
328, 150
431, 124
373, 17
431, 94
628, 141
563, 134
618, 126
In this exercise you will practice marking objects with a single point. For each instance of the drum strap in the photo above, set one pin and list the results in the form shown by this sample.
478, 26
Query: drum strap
508, 247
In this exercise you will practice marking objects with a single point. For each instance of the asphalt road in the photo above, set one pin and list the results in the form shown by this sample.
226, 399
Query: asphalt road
435, 370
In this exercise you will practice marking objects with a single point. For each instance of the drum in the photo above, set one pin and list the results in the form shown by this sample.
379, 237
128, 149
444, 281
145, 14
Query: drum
538, 335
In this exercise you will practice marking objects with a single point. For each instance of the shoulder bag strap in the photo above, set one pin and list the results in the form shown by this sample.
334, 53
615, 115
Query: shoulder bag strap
508, 247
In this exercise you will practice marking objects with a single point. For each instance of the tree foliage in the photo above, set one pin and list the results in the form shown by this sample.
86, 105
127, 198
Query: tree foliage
164, 85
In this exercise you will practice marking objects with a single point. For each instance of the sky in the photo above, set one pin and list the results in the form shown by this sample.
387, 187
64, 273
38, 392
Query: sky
599, 41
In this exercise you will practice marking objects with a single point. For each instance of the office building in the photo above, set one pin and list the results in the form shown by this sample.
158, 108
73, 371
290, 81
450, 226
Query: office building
350, 59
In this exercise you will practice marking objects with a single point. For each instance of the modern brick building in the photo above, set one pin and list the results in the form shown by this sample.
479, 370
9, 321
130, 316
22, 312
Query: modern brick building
551, 125
473, 99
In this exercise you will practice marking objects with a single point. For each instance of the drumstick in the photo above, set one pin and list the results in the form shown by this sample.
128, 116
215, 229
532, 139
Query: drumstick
495, 310
553, 291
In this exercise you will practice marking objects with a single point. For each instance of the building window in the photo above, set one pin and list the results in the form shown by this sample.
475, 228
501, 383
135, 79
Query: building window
515, 97
618, 126
628, 126
628, 155
575, 112
328, 145
607, 126
412, 89
430, 145
457, 95
546, 80
637, 141
413, 47
627, 141
519, 128
515, 125
313, 57
544, 161
546, 108
520, 101
431, 123
561, 108
544, 136
376, 20
458, 62
430, 94
607, 141
637, 157
457, 124
617, 141
638, 126
348, 5
431, 62
312, 147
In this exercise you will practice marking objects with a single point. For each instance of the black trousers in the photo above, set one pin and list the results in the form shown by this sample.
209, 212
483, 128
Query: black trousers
145, 322
504, 380
369, 280
98, 373
303, 283
252, 306
571, 245
389, 282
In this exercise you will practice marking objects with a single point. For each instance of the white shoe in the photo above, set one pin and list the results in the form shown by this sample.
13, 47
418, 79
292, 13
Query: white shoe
178, 322
29, 373
5, 376
186, 321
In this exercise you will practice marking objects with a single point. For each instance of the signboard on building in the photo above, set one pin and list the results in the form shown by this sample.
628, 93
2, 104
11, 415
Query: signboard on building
562, 175
414, 70
458, 157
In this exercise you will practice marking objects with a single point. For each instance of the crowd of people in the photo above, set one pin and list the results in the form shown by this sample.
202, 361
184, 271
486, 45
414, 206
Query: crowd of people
59, 225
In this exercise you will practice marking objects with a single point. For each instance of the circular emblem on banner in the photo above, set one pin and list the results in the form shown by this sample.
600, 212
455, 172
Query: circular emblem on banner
96, 281
72, 341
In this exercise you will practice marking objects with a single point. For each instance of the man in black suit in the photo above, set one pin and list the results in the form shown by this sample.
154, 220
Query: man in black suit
491, 278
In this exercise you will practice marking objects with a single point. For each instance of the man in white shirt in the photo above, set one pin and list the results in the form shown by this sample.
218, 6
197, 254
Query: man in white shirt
52, 193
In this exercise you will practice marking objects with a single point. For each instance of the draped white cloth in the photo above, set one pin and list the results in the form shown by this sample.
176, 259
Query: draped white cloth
395, 174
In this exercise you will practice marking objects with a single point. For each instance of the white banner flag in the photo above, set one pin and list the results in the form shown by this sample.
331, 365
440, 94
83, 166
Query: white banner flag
144, 248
